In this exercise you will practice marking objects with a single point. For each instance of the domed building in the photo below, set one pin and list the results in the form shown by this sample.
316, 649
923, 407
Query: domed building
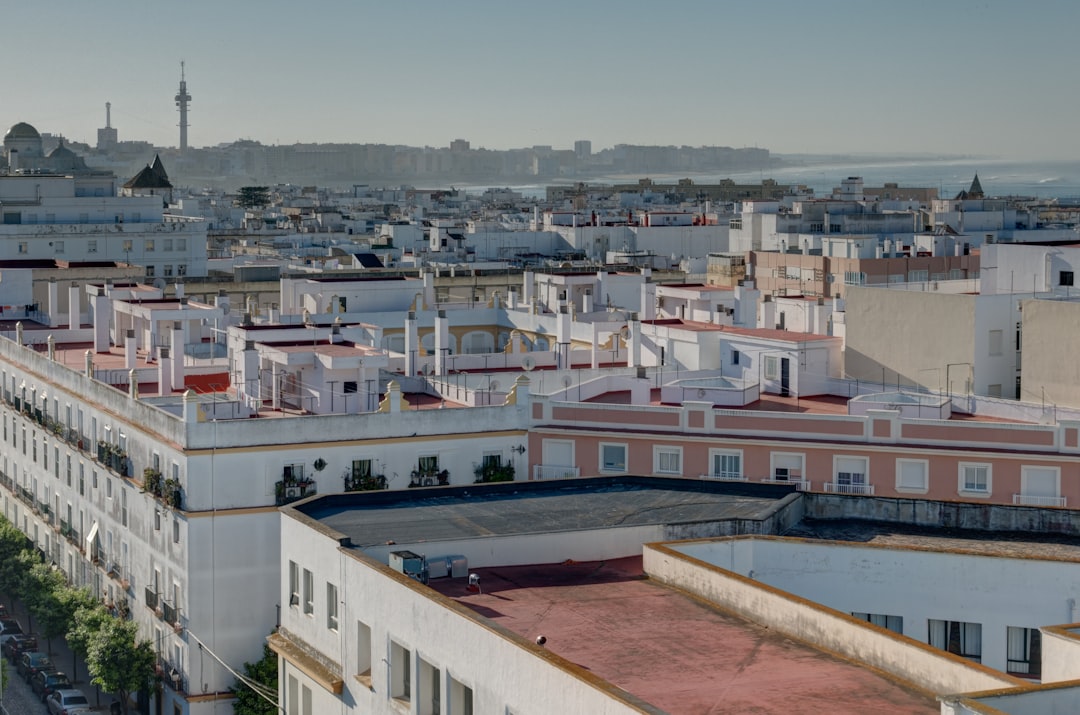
23, 151
25, 141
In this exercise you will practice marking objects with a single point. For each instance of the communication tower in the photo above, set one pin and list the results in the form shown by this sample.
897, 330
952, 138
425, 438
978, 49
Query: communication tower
182, 99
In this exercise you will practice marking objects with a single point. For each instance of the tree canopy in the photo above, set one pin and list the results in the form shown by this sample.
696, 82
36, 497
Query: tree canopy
265, 672
118, 662
252, 197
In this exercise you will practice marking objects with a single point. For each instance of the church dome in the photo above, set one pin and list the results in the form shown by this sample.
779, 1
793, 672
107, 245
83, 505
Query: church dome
62, 152
22, 130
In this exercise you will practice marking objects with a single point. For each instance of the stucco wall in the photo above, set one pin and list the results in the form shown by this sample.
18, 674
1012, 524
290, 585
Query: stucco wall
1049, 366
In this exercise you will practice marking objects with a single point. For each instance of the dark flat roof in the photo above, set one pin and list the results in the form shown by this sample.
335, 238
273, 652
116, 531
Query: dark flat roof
510, 508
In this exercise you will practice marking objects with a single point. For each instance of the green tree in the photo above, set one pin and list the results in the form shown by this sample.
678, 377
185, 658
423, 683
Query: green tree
16, 579
118, 662
89, 618
44, 590
252, 197
12, 543
264, 672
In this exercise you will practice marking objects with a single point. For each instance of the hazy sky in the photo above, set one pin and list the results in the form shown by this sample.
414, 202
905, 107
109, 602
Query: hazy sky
994, 77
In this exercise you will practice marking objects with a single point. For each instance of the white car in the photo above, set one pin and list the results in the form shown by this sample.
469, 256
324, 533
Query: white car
67, 702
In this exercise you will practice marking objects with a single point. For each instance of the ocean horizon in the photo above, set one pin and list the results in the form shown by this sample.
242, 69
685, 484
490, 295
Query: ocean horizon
1037, 179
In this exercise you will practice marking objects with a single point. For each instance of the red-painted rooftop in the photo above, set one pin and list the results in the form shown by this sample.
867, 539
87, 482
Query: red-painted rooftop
671, 650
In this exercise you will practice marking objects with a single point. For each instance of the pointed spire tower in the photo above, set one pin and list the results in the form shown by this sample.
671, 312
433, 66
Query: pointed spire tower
976, 191
182, 99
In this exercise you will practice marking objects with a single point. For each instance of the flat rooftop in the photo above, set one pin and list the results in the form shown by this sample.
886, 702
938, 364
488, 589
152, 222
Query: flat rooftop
672, 650
486, 510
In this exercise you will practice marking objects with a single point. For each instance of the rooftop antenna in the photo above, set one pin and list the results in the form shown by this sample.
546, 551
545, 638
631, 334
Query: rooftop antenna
182, 99
108, 115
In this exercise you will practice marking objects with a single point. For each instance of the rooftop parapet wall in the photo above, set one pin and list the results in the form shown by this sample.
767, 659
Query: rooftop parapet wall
823, 627
878, 426
147, 417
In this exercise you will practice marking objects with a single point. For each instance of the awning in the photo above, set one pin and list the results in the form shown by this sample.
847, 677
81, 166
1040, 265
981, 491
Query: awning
91, 538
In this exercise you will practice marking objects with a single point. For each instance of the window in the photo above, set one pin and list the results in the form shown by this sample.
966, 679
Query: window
349, 387
400, 672
963, 639
148, 245
1024, 646
1065, 278
911, 475
166, 270
176, 530
725, 465
363, 650
294, 696
854, 278
149, 271
787, 467
850, 471
1040, 486
612, 457
91, 246
23, 247
893, 623
125, 246
771, 365
461, 697
995, 339
181, 269
974, 479
181, 244
123, 506
309, 593
361, 468
734, 357
166, 244
429, 688
157, 519
918, 276
331, 606
58, 246
294, 584
667, 460
305, 700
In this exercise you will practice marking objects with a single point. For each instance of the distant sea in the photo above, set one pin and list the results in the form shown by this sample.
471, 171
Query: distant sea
1044, 179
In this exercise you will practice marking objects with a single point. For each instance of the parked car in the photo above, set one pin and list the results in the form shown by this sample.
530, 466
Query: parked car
67, 702
32, 662
9, 624
45, 683
16, 645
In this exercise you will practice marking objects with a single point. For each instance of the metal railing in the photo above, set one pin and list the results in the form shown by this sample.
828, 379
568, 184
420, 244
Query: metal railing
724, 477
151, 597
555, 471
1030, 500
834, 488
802, 485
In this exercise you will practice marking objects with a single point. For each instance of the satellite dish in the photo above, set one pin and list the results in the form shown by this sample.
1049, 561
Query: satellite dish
494, 386
528, 363
159, 283
567, 381
428, 369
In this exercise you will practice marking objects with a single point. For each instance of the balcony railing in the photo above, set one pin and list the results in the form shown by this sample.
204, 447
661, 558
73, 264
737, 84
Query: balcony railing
725, 477
802, 485
6, 480
171, 676
555, 471
834, 488
290, 491
1030, 500
151, 597
168, 612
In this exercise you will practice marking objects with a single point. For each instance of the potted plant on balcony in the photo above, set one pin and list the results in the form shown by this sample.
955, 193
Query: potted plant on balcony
152, 481
494, 472
360, 482
172, 493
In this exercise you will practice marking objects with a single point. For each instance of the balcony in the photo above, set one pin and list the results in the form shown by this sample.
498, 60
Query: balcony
287, 491
25, 496
151, 597
171, 675
168, 612
69, 533
1030, 500
724, 477
834, 488
555, 471
5, 480
802, 485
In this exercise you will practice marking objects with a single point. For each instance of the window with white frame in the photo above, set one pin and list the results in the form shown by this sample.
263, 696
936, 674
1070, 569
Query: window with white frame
975, 479
309, 593
995, 340
331, 606
725, 464
850, 471
667, 460
772, 371
893, 623
787, 466
294, 584
959, 637
1024, 652
1044, 482
912, 476
612, 457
